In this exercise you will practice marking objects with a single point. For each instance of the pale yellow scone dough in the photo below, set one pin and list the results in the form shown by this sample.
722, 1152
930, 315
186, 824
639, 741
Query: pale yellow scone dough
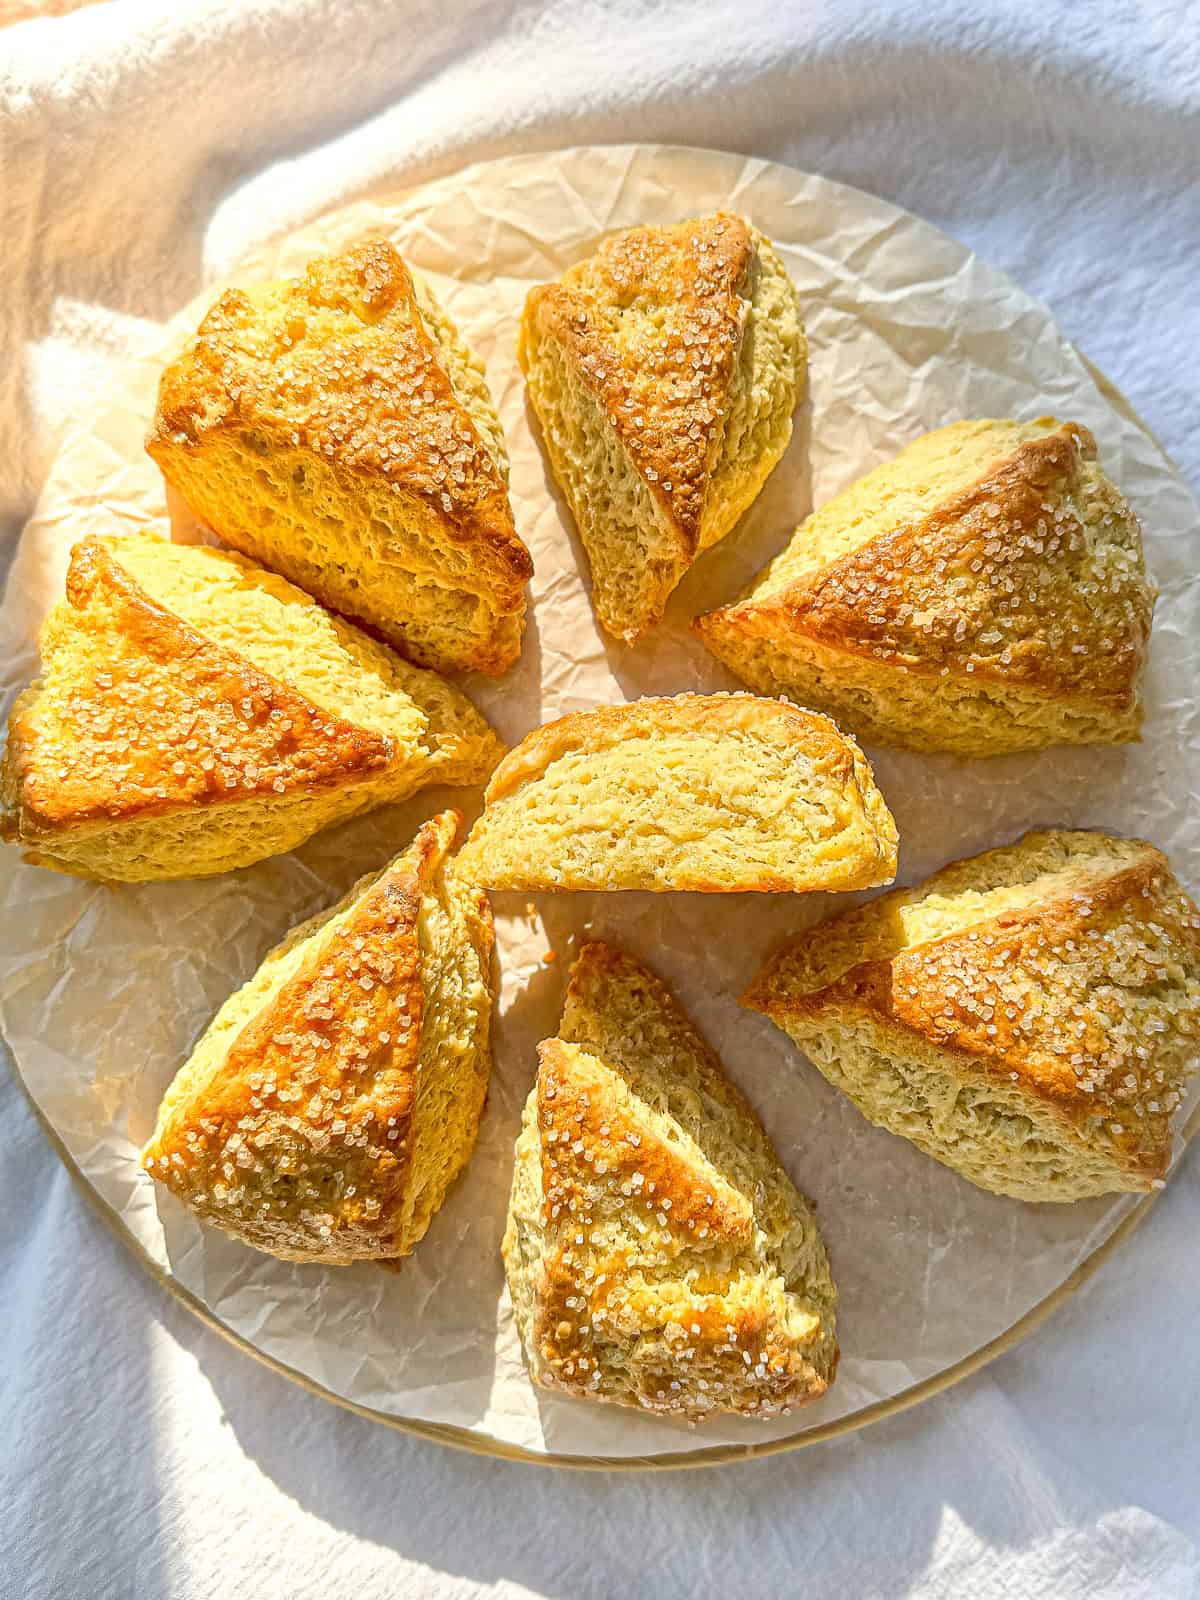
657, 1254
716, 793
196, 713
1029, 1016
984, 592
664, 371
333, 1099
337, 428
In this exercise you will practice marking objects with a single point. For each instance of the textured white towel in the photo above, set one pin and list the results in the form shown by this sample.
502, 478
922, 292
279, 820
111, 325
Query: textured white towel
142, 149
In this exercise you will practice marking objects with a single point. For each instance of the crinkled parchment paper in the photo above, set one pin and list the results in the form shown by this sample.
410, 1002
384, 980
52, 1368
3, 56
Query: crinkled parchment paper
104, 990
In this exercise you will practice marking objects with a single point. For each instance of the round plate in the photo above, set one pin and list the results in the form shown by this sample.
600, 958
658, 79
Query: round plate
102, 991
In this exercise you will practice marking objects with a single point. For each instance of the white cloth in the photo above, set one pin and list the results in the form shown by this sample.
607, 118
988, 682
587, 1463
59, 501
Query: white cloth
142, 150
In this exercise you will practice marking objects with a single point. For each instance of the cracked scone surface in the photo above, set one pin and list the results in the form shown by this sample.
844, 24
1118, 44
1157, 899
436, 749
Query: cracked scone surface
657, 1254
984, 592
335, 1097
337, 428
1028, 1017
664, 371
196, 713
717, 793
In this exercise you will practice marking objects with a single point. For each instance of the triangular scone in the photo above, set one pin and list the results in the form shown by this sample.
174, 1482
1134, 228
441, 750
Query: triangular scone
657, 1253
1028, 1016
196, 713
984, 592
336, 428
334, 1098
719, 793
664, 371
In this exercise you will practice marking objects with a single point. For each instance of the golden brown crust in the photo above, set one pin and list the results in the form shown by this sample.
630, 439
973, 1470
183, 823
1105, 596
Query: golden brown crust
604, 726
994, 585
301, 1143
656, 1252
711, 1328
376, 401
998, 998
167, 720
666, 401
585, 1130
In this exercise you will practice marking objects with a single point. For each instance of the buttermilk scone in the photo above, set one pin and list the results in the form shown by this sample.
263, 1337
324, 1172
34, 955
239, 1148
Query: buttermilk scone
657, 1253
196, 713
719, 793
334, 1099
664, 371
1028, 1016
336, 428
984, 592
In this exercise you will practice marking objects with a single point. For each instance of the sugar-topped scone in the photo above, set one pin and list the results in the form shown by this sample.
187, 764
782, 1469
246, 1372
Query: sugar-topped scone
334, 1098
1028, 1016
196, 713
657, 1253
337, 428
664, 371
984, 592
718, 793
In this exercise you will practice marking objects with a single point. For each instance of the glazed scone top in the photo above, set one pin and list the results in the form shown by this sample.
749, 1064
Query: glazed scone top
654, 319
1003, 575
346, 361
1068, 964
166, 719
297, 1124
657, 1253
177, 676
